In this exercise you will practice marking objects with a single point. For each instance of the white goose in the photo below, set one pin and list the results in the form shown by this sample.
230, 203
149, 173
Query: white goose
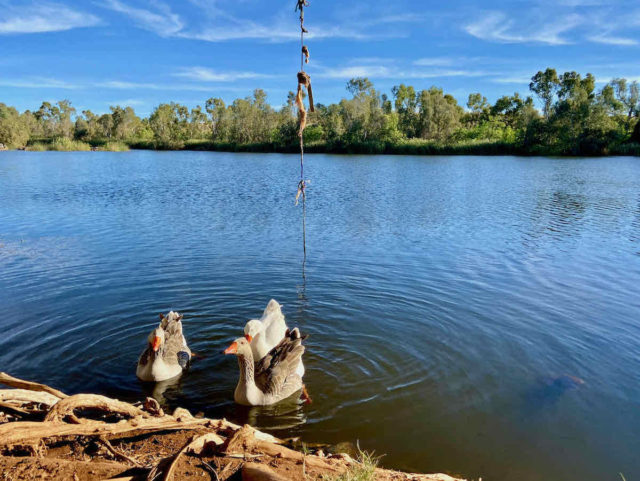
167, 354
267, 333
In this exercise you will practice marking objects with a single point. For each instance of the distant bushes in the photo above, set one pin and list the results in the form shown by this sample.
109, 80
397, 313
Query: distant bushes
576, 118
63, 144
113, 146
37, 147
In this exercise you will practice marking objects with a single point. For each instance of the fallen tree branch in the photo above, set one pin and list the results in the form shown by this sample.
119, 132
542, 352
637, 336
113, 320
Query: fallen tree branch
15, 408
25, 396
8, 380
66, 407
30, 432
277, 451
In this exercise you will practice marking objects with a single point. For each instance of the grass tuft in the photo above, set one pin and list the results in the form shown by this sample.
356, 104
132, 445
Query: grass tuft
114, 146
62, 144
364, 470
37, 147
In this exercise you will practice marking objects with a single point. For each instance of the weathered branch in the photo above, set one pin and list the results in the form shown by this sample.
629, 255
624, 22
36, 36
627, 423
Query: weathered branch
30, 432
66, 407
8, 380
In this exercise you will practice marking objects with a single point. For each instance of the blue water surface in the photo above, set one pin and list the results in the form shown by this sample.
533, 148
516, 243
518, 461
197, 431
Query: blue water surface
470, 315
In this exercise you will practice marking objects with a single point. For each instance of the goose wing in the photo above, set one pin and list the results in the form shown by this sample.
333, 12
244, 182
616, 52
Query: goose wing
273, 370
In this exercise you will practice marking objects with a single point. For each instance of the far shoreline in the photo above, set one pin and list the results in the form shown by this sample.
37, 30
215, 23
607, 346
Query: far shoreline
417, 148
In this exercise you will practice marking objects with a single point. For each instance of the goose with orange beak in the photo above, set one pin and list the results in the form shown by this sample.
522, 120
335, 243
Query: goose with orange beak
167, 354
272, 378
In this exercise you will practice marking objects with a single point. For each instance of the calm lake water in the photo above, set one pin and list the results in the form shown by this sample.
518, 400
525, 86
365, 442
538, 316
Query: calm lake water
476, 316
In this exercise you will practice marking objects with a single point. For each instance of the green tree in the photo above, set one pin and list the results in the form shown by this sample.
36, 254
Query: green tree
169, 124
199, 124
217, 111
544, 85
628, 94
478, 109
64, 120
125, 123
406, 104
515, 111
438, 115
14, 132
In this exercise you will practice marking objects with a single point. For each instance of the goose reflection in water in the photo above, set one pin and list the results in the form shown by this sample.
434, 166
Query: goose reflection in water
284, 415
163, 391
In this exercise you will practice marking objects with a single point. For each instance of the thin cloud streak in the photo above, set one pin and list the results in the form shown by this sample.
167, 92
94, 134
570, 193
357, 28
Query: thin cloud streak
498, 27
612, 40
162, 22
55, 84
38, 83
42, 18
203, 74
382, 72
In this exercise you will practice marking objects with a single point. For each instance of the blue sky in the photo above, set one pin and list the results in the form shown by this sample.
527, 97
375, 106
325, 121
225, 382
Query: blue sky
99, 53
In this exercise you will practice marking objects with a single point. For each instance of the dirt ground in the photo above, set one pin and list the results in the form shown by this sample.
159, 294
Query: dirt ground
88, 460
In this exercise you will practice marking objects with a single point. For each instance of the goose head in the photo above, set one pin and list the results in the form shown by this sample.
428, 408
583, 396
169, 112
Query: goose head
252, 328
156, 339
240, 347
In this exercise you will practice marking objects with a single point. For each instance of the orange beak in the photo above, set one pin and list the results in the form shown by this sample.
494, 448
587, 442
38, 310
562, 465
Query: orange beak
248, 337
155, 345
232, 349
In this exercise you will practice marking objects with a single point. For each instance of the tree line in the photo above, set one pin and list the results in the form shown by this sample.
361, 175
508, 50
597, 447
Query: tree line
575, 118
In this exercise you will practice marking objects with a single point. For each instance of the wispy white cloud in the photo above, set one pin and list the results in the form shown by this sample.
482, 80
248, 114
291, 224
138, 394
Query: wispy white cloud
203, 74
559, 22
37, 83
513, 79
223, 26
384, 72
129, 102
608, 39
42, 17
167, 87
499, 27
434, 62
283, 33
160, 19
56, 84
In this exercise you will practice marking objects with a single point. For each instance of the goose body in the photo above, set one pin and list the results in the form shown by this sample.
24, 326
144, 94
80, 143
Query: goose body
167, 354
267, 332
274, 377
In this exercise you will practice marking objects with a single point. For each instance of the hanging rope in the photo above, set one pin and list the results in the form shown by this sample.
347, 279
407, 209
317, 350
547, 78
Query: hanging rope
304, 82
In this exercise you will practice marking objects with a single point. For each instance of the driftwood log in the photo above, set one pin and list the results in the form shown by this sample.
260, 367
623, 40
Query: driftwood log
66, 407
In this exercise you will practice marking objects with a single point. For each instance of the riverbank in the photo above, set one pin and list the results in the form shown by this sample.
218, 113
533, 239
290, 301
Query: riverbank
46, 434
407, 147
